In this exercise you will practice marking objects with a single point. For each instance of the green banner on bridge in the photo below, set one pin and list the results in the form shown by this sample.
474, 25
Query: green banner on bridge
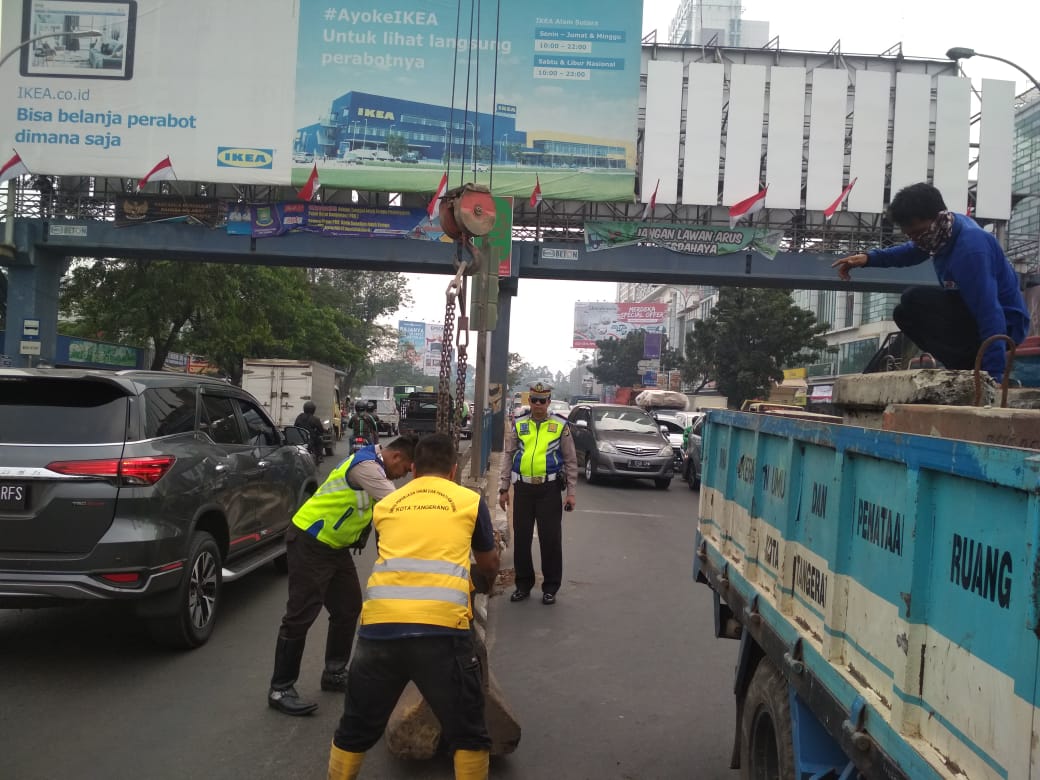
686, 239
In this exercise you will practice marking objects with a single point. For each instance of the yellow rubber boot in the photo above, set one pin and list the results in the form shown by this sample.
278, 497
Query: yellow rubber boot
471, 764
344, 765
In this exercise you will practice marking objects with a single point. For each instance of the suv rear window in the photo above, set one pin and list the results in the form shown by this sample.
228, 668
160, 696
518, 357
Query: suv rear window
61, 411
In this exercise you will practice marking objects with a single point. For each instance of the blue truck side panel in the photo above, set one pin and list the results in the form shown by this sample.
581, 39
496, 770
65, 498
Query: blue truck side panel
904, 567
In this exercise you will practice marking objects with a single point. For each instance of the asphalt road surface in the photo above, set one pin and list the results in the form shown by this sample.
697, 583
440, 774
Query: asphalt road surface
622, 678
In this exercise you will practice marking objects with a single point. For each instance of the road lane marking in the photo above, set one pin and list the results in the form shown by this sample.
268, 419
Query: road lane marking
624, 514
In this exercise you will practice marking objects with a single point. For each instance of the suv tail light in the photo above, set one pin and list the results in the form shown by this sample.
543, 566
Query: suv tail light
130, 471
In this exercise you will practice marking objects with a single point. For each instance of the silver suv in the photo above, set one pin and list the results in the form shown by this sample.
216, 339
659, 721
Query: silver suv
147, 487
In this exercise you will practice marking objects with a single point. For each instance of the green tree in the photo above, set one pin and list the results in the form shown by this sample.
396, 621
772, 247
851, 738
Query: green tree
397, 371
365, 298
618, 361
747, 339
518, 370
221, 311
396, 144
699, 367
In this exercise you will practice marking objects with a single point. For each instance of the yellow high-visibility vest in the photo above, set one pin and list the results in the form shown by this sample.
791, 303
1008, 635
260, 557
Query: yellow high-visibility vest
425, 532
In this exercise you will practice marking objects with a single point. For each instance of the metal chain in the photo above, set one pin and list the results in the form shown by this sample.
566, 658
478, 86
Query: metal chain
462, 340
445, 421
443, 385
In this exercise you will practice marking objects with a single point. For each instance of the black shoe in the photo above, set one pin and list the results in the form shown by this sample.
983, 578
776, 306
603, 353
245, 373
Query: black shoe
548, 598
520, 595
334, 680
282, 696
288, 701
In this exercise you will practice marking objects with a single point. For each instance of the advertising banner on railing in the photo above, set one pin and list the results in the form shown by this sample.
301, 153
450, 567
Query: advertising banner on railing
601, 321
687, 239
258, 93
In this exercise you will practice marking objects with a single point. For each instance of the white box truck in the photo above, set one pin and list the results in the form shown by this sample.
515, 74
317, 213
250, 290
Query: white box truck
284, 386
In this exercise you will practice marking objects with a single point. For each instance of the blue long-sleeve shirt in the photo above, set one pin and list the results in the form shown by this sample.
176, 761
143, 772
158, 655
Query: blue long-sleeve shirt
973, 264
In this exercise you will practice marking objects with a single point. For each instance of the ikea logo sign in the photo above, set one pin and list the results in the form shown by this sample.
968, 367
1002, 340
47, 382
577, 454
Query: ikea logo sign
238, 157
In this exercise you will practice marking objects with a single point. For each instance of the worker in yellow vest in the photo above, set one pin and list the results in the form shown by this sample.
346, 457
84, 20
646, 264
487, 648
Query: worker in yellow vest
415, 624
325, 531
538, 459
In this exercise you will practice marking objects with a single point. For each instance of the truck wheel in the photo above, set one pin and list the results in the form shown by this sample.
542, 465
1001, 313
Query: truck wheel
198, 597
766, 742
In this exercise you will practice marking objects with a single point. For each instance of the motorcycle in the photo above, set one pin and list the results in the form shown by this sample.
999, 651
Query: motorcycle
356, 443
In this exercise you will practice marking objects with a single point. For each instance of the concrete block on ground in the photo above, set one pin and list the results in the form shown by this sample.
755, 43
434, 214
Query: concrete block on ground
413, 732
919, 386
502, 724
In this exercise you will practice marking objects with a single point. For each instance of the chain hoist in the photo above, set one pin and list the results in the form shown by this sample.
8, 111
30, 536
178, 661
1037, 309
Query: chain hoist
466, 213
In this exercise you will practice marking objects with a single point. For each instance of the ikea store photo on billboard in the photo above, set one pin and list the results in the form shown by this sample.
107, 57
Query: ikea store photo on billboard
374, 84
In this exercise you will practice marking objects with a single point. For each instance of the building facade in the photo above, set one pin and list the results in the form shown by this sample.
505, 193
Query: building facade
1024, 228
704, 22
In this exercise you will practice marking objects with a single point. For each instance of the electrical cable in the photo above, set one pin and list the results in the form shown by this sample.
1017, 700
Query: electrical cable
454, 76
494, 96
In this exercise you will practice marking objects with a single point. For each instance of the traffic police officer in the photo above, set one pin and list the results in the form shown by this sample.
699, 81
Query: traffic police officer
539, 461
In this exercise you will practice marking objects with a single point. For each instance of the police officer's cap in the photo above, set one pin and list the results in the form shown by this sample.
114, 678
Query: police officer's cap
540, 390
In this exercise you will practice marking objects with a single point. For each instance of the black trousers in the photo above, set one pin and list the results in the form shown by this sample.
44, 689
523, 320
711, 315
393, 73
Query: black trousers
541, 506
938, 321
445, 669
321, 576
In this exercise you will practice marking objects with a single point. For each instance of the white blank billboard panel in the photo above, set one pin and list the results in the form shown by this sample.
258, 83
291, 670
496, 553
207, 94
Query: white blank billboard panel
870, 111
661, 139
747, 90
703, 134
952, 138
825, 178
996, 136
786, 138
910, 133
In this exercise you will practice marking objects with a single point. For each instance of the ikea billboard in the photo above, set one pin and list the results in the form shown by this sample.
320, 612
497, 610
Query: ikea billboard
247, 92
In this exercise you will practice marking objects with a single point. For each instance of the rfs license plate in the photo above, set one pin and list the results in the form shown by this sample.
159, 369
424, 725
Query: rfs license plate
639, 464
13, 495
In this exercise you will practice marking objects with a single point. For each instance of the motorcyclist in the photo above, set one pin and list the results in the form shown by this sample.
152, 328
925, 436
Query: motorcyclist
363, 424
308, 420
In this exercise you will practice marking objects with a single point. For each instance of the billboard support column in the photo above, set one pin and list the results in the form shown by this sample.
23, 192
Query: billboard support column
33, 291
499, 368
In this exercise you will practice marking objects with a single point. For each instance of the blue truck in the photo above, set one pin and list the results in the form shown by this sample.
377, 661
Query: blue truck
885, 590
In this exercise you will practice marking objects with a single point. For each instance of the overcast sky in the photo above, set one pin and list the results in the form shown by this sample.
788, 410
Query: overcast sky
542, 314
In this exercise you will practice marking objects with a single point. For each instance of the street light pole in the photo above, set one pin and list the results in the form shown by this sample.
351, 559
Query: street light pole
963, 53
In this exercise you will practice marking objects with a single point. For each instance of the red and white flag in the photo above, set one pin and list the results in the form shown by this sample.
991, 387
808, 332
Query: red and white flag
536, 193
435, 202
649, 210
13, 167
747, 207
311, 187
833, 208
163, 171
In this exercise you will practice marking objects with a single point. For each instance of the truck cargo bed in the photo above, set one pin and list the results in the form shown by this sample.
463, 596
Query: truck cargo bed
891, 578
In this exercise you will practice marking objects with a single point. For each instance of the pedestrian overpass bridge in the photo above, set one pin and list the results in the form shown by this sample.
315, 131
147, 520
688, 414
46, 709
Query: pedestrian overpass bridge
42, 249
